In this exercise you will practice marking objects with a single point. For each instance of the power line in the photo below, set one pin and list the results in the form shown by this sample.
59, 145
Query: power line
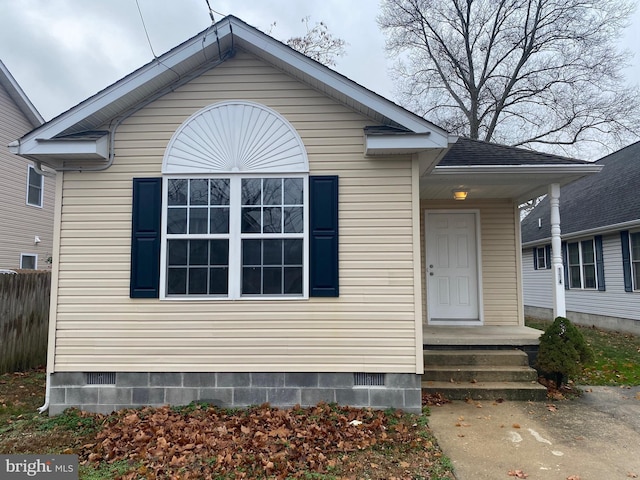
212, 11
145, 29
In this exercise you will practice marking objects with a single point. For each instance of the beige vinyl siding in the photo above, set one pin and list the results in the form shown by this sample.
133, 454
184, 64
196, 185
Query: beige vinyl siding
369, 328
499, 244
19, 222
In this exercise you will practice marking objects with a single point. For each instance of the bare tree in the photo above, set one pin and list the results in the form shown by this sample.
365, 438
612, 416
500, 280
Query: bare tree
520, 72
318, 43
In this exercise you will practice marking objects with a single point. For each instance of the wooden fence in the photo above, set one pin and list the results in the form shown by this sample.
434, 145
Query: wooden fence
24, 320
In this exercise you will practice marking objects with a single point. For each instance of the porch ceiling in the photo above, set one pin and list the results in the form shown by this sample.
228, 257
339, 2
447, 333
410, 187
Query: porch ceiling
518, 182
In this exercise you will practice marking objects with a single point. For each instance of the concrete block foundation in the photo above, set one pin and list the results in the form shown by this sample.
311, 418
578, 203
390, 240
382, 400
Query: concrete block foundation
225, 389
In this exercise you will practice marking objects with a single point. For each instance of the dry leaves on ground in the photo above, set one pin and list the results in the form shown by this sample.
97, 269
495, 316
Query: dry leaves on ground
434, 399
517, 474
254, 443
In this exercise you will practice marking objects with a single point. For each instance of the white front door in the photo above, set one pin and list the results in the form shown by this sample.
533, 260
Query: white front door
452, 268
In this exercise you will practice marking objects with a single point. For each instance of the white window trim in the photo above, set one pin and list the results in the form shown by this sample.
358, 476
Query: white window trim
582, 264
31, 168
235, 238
35, 263
544, 255
635, 285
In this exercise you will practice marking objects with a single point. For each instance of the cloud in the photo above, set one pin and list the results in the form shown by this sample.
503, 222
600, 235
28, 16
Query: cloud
63, 51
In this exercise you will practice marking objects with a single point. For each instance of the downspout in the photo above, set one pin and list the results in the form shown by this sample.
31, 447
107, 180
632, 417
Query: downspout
112, 136
47, 394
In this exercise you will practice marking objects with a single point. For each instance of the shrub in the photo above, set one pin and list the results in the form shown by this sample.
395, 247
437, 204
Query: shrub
563, 351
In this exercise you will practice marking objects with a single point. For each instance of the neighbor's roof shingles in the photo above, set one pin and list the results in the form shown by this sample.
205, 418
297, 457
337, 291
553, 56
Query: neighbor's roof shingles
612, 197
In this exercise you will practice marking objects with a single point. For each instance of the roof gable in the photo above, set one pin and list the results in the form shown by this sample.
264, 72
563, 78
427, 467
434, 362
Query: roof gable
201, 53
19, 97
594, 202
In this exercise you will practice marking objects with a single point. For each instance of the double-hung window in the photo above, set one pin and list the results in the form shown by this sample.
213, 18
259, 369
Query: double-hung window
235, 236
582, 264
235, 214
35, 187
541, 257
634, 241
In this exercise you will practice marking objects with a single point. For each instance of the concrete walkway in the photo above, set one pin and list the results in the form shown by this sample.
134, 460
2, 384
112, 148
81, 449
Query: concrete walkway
595, 437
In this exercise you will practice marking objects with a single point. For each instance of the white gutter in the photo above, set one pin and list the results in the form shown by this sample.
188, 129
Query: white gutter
519, 169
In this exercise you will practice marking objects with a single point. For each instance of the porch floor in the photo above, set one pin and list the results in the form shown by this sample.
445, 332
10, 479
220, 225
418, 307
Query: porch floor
481, 335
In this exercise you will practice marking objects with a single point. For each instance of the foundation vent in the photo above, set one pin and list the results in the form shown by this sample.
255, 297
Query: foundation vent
368, 379
101, 378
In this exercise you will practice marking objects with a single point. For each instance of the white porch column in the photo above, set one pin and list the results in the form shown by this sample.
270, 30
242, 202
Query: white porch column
559, 306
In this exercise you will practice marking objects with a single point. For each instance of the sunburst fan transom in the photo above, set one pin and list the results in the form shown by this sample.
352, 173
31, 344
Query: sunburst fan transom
235, 137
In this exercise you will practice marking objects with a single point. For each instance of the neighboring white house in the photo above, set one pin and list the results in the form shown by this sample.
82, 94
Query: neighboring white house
26, 197
237, 222
600, 243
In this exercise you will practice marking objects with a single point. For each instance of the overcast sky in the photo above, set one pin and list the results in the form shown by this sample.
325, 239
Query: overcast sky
63, 51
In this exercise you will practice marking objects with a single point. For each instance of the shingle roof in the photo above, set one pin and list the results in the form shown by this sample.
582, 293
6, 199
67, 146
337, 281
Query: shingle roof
608, 198
476, 152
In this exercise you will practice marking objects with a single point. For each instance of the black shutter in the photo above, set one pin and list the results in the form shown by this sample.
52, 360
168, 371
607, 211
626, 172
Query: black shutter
565, 264
599, 263
323, 236
145, 238
547, 250
626, 260
535, 258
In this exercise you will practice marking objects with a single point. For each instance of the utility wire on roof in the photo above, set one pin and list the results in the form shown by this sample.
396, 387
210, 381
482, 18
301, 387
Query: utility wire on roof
149, 41
212, 11
145, 30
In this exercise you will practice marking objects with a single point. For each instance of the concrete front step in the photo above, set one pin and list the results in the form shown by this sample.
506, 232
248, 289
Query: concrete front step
510, 357
482, 373
518, 391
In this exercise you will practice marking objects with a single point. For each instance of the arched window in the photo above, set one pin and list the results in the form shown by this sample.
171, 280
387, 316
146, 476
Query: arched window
234, 209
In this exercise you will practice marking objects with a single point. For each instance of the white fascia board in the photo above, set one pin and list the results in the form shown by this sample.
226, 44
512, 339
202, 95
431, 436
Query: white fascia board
376, 144
262, 44
77, 149
117, 90
19, 97
336, 81
587, 233
572, 169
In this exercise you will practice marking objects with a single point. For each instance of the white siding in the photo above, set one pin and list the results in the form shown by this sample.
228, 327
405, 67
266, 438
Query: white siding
614, 302
370, 327
20, 223
537, 284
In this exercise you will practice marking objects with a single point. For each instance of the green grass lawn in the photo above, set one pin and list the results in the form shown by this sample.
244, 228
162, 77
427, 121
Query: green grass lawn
617, 356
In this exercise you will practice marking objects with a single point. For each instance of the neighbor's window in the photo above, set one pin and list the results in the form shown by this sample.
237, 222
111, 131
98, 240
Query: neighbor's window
541, 256
28, 261
235, 237
634, 239
35, 187
582, 264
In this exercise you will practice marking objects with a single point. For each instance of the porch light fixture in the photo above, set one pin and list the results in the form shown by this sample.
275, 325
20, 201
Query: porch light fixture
460, 194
